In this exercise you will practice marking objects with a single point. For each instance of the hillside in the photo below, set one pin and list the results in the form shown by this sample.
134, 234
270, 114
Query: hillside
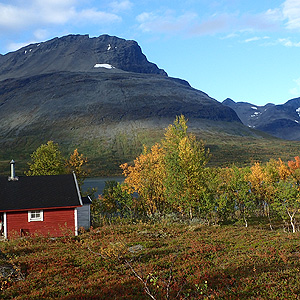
102, 96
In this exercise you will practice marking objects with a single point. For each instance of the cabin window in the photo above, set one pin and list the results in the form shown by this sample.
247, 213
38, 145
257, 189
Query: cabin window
35, 215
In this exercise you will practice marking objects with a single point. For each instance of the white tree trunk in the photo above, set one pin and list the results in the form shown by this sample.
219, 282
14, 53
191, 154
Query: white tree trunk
292, 221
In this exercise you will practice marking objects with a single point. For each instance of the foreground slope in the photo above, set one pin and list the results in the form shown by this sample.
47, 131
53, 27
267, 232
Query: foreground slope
184, 261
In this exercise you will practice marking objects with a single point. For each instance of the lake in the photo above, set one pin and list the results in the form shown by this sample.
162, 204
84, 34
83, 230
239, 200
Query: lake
99, 183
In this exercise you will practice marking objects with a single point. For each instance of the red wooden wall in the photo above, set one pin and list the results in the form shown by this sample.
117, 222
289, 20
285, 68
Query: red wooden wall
57, 222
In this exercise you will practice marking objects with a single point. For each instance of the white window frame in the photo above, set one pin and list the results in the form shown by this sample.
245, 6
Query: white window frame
32, 215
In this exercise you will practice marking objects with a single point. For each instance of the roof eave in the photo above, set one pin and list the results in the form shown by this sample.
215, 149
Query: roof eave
39, 208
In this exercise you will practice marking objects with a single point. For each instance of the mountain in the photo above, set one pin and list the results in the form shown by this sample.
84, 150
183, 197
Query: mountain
76, 53
282, 121
99, 94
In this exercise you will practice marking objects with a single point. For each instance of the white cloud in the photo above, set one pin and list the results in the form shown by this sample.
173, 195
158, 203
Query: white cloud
291, 12
256, 38
94, 16
168, 22
145, 17
288, 43
192, 23
12, 17
118, 6
41, 34
259, 22
214, 24
21, 15
296, 90
230, 36
38, 20
274, 15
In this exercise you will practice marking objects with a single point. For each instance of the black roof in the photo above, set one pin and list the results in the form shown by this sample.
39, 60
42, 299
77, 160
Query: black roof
86, 200
39, 192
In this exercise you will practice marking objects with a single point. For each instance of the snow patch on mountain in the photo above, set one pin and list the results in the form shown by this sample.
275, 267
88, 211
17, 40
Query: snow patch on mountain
256, 114
298, 111
106, 66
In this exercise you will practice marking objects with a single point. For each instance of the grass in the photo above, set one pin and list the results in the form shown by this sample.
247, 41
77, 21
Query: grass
172, 261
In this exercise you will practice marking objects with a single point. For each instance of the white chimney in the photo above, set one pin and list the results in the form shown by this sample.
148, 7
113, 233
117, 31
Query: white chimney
12, 171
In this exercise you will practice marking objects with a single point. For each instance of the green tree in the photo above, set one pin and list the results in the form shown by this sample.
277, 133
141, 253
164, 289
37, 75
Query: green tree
114, 203
46, 160
225, 193
185, 158
234, 196
287, 191
287, 201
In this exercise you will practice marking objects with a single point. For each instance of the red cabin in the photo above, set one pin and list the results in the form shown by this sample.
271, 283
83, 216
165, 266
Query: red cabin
43, 205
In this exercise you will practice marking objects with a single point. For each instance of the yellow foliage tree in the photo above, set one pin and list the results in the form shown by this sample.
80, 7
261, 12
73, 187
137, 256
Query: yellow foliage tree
261, 183
146, 177
76, 164
294, 167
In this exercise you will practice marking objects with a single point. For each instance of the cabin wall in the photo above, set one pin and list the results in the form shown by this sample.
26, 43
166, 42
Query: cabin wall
57, 222
84, 216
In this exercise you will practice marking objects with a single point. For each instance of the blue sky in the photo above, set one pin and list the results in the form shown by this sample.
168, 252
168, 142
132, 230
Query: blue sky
245, 50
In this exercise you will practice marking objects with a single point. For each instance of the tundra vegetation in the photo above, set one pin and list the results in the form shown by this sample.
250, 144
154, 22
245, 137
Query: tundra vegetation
176, 228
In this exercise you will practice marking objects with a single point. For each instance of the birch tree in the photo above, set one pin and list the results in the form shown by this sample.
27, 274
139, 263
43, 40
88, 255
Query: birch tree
261, 179
288, 191
146, 178
76, 163
185, 158
46, 160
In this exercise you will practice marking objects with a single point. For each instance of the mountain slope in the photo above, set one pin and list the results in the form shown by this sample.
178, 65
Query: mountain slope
99, 94
282, 121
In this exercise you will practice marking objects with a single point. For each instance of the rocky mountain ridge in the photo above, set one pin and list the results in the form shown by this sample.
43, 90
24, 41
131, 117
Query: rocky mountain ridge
76, 53
282, 121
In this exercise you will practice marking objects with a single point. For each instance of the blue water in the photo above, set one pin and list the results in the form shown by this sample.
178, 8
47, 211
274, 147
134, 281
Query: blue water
99, 183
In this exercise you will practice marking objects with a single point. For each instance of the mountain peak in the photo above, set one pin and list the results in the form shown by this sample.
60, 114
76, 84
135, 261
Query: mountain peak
228, 102
76, 53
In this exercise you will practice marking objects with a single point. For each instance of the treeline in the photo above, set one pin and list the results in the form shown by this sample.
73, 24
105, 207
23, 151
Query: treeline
171, 179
